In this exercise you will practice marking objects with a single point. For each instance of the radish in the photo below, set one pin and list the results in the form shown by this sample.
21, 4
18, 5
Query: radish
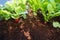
16, 20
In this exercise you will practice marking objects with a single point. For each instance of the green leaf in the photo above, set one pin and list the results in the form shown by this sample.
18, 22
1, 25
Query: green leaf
56, 24
52, 15
5, 14
15, 16
57, 1
10, 7
50, 8
24, 16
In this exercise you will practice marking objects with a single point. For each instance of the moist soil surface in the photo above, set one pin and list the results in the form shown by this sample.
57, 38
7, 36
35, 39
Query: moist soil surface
10, 30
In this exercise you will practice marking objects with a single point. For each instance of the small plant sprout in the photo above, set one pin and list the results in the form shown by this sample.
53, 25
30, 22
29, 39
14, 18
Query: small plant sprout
56, 24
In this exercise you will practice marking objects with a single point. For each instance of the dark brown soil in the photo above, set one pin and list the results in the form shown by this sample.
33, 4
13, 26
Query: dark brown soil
9, 30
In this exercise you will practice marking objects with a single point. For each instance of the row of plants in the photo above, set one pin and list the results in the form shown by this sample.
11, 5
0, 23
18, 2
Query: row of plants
16, 9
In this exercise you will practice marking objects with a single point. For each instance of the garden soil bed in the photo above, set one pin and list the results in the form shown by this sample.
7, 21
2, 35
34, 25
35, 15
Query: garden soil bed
10, 30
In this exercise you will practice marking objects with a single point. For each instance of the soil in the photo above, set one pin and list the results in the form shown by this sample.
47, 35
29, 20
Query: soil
28, 29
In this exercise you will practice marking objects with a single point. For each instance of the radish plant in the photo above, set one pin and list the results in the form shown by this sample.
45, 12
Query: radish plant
14, 9
48, 8
46, 5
